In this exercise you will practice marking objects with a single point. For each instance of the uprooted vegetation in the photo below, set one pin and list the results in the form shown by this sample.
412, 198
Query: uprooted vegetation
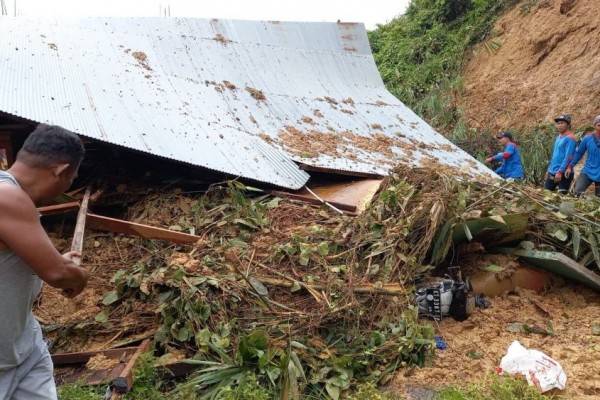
308, 301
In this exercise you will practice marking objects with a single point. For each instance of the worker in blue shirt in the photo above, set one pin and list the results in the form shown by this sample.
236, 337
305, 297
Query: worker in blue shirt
591, 169
510, 158
562, 153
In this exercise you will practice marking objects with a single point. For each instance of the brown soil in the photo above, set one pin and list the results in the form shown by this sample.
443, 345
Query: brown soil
142, 59
256, 94
100, 361
229, 85
548, 64
476, 346
104, 255
221, 39
313, 143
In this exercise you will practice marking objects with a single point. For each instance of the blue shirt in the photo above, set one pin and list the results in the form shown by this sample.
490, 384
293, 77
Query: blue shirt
562, 152
591, 145
511, 162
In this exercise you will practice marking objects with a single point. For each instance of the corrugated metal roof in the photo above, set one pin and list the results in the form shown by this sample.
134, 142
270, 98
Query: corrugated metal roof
241, 97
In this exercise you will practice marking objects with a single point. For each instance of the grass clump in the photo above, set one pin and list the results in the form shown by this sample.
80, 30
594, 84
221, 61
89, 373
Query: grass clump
77, 391
497, 388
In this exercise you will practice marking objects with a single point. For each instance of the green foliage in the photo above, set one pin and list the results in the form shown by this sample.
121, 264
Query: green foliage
368, 391
77, 391
420, 54
146, 384
248, 389
498, 388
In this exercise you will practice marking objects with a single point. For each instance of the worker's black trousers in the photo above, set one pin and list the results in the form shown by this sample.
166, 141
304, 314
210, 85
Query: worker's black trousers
563, 186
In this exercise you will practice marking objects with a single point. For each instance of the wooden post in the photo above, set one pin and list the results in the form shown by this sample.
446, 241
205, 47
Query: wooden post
145, 231
124, 382
77, 244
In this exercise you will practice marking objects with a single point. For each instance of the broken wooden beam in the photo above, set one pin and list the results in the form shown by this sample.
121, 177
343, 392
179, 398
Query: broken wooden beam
77, 243
124, 382
145, 231
387, 289
59, 208
313, 200
66, 359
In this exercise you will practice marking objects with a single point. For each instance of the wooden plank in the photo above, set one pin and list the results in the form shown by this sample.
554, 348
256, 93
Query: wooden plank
59, 208
77, 243
146, 231
308, 198
64, 359
387, 289
124, 382
347, 196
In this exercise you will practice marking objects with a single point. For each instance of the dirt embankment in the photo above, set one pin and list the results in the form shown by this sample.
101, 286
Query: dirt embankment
548, 63
476, 346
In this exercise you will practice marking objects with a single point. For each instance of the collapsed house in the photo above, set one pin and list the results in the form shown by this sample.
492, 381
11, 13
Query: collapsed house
317, 298
265, 101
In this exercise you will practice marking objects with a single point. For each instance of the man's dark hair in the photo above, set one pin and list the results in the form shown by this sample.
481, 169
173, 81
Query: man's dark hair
49, 145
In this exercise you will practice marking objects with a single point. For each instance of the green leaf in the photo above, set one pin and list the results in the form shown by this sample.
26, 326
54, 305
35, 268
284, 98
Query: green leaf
102, 317
183, 334
498, 218
560, 235
493, 268
442, 243
516, 327
474, 355
258, 286
297, 365
298, 345
527, 245
273, 203
576, 242
303, 259
594, 246
295, 287
110, 298
246, 223
323, 249
203, 338
250, 345
468, 233
332, 390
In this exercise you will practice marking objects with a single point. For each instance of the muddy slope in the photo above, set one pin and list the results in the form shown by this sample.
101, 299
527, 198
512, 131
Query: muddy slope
548, 63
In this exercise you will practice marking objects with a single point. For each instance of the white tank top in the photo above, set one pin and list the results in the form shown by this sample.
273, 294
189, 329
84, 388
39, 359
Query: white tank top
19, 287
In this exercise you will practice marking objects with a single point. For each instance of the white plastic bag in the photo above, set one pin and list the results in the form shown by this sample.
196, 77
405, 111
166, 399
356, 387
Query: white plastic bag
540, 370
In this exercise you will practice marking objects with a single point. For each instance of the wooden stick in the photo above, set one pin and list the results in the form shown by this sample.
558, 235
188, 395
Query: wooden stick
324, 202
350, 208
59, 208
145, 231
124, 382
77, 244
388, 290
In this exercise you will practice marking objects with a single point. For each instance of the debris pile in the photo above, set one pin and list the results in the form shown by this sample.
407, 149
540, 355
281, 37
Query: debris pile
309, 300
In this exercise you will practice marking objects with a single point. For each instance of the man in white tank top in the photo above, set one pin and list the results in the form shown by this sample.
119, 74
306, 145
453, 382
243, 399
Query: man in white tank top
45, 167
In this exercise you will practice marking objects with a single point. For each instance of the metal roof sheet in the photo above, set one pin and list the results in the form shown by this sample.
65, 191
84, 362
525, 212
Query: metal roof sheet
241, 97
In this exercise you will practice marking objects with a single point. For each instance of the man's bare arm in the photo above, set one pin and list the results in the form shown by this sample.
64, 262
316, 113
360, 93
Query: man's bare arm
22, 232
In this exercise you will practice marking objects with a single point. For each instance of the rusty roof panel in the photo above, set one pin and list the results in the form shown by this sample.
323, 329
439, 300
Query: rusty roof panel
242, 97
